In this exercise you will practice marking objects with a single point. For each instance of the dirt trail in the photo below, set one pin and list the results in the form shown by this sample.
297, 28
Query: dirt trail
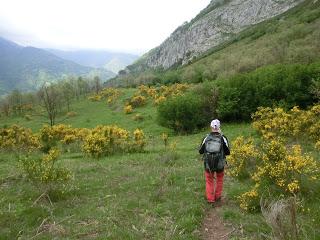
213, 228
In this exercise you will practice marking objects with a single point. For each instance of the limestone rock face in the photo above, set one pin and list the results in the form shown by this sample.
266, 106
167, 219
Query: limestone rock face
217, 23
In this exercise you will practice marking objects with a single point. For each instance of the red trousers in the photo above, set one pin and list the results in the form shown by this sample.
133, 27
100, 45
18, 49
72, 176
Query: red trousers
214, 188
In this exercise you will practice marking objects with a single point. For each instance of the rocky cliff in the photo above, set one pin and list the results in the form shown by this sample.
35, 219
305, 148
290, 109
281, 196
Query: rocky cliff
218, 22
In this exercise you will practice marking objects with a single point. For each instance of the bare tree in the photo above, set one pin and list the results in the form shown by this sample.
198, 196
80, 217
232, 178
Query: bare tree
15, 101
97, 84
67, 91
82, 87
50, 99
5, 107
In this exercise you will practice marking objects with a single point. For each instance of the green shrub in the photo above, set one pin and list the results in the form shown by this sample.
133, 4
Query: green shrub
278, 85
183, 114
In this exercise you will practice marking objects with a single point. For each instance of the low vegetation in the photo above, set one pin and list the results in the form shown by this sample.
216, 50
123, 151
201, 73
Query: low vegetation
119, 182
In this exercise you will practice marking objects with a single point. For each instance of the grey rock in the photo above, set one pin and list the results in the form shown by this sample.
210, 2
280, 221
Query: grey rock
217, 23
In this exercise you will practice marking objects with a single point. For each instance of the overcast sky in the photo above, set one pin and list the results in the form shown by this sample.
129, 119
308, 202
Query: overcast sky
127, 25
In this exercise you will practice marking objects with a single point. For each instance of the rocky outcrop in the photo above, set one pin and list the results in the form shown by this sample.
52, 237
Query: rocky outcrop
217, 23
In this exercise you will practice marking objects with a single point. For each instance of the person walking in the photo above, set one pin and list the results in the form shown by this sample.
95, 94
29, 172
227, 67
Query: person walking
215, 148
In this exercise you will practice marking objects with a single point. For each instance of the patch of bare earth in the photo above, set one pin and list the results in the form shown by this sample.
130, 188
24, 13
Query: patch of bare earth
213, 227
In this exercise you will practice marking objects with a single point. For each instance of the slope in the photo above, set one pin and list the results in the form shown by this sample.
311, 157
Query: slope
292, 37
219, 22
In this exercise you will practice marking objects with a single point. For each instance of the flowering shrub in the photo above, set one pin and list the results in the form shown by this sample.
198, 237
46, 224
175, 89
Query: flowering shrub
295, 123
243, 156
159, 100
65, 134
161, 94
173, 90
249, 201
139, 140
18, 138
95, 98
147, 91
111, 94
271, 122
280, 171
106, 140
313, 123
127, 109
44, 170
138, 101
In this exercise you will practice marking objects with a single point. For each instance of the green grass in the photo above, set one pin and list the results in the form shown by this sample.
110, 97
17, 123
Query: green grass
149, 195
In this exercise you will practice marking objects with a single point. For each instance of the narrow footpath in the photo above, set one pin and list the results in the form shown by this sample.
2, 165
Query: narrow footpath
213, 227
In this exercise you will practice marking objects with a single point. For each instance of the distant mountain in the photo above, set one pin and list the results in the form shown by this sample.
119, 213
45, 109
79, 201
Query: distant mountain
25, 68
112, 61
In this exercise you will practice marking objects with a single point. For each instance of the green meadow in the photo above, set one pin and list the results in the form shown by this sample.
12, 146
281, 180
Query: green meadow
156, 194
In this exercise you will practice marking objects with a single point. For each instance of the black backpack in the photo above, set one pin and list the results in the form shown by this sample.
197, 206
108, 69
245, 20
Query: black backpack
214, 156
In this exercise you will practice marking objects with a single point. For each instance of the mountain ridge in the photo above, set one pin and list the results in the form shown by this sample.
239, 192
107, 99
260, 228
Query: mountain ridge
217, 23
289, 38
97, 58
25, 67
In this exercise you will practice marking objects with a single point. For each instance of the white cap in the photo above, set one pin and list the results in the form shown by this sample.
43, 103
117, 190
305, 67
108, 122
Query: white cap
215, 124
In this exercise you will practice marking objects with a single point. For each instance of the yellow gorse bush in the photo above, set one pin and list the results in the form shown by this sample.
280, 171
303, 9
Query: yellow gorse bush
139, 140
159, 100
243, 155
44, 170
18, 138
110, 94
161, 94
294, 123
95, 98
249, 201
63, 133
280, 170
107, 140
137, 101
127, 109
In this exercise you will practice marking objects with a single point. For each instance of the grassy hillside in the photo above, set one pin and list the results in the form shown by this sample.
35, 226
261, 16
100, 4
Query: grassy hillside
292, 37
150, 195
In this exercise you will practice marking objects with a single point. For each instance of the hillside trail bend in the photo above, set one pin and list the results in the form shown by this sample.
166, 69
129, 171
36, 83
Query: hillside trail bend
213, 227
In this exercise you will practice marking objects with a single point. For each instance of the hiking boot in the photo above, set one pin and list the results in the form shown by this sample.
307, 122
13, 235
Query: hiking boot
218, 202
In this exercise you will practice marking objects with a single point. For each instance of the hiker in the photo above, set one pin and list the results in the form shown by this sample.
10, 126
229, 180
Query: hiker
214, 148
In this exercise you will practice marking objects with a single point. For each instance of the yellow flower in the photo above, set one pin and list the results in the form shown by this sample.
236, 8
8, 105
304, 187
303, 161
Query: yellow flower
128, 109
293, 187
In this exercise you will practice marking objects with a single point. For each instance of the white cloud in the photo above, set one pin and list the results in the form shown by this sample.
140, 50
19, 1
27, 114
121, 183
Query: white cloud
117, 24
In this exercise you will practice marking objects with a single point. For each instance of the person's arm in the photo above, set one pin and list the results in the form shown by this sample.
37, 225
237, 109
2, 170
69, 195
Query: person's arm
202, 146
226, 147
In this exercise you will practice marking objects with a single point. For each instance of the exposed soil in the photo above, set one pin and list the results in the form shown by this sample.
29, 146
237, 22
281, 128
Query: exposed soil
213, 228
